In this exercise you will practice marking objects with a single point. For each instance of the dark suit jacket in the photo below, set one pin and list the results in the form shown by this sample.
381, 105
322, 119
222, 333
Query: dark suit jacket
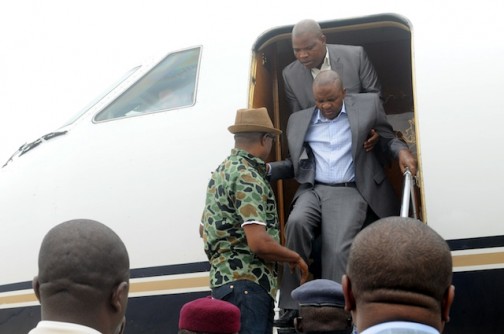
351, 63
365, 112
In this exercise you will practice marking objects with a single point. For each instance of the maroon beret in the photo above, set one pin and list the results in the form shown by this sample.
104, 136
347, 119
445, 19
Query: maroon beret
210, 315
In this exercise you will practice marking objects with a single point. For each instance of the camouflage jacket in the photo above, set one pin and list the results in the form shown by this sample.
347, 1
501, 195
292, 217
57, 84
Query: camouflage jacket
239, 192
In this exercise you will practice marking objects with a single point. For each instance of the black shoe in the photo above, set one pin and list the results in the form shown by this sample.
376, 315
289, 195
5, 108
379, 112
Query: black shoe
286, 318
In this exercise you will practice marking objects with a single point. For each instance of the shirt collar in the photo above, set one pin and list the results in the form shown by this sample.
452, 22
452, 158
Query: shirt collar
326, 65
67, 326
319, 118
255, 162
399, 324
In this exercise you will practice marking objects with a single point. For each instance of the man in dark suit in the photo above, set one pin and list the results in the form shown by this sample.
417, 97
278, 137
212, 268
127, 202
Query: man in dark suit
314, 55
339, 180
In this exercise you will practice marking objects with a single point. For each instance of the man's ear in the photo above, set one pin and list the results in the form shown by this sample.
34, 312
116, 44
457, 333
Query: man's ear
446, 304
119, 298
323, 38
346, 285
36, 287
264, 139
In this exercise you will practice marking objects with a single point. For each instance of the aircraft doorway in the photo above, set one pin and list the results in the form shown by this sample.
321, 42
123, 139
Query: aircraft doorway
387, 41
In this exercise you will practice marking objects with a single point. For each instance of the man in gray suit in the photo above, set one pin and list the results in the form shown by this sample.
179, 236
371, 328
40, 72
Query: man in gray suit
314, 55
339, 180
399, 278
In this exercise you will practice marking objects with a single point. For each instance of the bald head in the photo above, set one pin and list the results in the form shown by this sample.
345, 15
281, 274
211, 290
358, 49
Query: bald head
326, 78
85, 252
310, 27
399, 269
82, 263
329, 93
309, 44
400, 254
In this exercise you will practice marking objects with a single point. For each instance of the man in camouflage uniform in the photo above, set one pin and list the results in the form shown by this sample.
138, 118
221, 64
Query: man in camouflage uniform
240, 225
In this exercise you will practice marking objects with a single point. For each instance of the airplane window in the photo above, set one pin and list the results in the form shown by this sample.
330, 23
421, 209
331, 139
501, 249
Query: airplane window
99, 97
169, 85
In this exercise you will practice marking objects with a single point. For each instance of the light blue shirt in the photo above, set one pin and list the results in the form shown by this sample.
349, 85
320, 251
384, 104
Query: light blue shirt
331, 143
404, 327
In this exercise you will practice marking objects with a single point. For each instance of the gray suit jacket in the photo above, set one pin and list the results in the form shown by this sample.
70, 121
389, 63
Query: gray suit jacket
365, 112
351, 63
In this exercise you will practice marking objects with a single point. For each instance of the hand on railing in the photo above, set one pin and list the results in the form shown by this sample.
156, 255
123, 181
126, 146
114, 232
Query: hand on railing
408, 196
407, 161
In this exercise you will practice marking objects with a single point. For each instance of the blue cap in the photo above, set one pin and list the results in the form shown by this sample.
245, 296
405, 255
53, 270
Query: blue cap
319, 292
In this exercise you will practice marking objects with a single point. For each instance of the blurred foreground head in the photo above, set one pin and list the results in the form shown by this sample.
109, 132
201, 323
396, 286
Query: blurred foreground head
399, 269
83, 276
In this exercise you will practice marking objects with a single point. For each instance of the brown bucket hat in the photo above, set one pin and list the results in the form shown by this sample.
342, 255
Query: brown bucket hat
253, 120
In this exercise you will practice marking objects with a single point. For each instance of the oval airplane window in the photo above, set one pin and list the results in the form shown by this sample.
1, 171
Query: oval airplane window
169, 85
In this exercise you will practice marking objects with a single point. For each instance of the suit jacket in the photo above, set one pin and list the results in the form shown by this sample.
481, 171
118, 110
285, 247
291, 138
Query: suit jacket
351, 63
365, 112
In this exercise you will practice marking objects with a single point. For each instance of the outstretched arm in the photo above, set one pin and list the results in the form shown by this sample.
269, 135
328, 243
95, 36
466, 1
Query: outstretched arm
268, 249
406, 160
397, 149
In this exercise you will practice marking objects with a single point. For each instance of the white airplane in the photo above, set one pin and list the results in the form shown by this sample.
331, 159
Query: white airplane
139, 158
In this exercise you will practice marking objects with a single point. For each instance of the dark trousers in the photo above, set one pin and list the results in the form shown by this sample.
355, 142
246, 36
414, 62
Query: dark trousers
255, 304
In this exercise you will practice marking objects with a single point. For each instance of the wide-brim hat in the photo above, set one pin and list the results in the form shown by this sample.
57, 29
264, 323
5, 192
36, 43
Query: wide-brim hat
253, 120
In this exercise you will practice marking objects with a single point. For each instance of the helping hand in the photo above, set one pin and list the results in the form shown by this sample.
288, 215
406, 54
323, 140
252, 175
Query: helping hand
371, 141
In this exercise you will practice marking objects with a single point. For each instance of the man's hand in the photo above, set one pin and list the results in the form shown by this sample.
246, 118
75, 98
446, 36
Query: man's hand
371, 141
406, 160
303, 269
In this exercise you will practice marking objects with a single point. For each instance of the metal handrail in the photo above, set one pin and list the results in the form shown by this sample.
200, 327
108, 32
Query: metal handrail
409, 195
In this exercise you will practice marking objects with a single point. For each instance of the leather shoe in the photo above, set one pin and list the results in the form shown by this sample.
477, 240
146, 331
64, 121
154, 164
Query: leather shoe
286, 319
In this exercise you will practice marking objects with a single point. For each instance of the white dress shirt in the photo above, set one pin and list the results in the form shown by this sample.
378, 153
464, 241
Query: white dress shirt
326, 65
58, 327
403, 327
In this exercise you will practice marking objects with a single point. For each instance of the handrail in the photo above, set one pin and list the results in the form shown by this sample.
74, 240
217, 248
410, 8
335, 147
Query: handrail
409, 195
